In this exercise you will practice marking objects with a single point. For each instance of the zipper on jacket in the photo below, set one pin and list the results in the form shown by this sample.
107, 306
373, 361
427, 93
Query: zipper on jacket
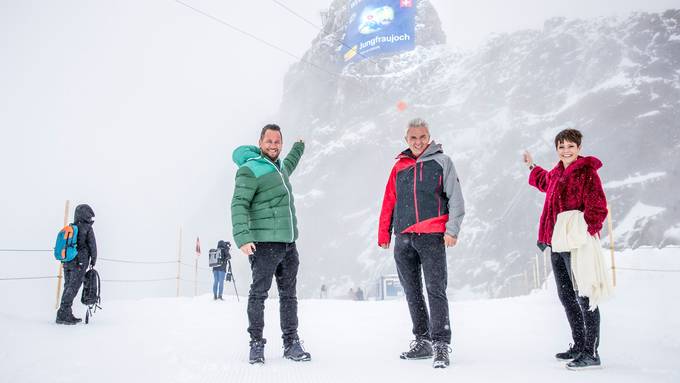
290, 210
415, 195
439, 197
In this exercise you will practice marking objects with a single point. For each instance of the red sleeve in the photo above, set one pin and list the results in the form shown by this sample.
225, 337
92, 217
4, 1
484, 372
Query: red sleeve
538, 178
594, 203
389, 199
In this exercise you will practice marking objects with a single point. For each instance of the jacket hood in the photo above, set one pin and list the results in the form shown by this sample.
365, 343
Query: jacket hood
430, 150
581, 162
245, 153
83, 214
223, 245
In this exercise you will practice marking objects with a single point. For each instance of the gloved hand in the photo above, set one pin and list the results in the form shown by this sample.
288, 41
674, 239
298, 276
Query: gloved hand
92, 264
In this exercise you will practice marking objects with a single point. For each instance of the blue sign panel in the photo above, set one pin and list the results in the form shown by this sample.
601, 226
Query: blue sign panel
378, 27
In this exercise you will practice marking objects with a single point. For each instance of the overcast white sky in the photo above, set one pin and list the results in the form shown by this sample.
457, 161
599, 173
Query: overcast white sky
136, 106
468, 23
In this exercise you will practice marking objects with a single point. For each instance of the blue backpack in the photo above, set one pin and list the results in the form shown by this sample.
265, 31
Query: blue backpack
66, 247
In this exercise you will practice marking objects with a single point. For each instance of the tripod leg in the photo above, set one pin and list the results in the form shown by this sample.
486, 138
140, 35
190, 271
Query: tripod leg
233, 280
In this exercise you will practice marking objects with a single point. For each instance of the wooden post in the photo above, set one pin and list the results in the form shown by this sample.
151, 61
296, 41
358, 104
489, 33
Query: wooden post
196, 277
536, 273
179, 258
611, 243
61, 265
545, 268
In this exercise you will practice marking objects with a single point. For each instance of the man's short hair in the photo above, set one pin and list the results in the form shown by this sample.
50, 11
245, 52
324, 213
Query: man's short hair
571, 135
418, 123
273, 127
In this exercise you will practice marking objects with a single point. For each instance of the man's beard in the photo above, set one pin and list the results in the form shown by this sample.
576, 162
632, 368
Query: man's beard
270, 158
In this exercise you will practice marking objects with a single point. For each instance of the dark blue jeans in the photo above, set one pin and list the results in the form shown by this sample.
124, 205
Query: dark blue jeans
584, 324
280, 260
218, 283
415, 252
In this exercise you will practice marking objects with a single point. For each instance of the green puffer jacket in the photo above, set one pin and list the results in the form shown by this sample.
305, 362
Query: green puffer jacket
262, 209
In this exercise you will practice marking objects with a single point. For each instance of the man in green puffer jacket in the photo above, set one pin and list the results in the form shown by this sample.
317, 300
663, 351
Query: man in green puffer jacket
265, 229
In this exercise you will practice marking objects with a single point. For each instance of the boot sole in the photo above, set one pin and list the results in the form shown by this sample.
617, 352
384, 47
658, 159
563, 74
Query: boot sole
305, 359
259, 361
440, 365
68, 323
584, 368
564, 360
418, 358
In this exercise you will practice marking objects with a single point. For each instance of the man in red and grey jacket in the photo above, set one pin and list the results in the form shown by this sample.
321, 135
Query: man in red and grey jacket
424, 205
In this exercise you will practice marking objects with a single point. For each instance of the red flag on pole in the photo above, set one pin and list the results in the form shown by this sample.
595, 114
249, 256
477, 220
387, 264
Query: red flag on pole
198, 247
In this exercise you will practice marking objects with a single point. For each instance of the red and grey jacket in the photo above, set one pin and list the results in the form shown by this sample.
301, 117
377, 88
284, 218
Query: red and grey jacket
422, 195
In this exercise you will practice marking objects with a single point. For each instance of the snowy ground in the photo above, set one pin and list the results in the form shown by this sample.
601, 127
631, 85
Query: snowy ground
199, 340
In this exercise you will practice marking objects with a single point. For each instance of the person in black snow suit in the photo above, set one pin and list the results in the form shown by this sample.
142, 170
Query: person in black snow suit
220, 272
74, 270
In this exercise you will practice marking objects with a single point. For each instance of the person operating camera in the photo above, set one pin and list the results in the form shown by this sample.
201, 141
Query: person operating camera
220, 271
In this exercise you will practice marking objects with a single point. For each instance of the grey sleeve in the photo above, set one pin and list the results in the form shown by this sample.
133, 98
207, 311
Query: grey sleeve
455, 196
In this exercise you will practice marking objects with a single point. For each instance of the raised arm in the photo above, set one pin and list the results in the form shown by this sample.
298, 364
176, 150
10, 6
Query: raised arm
293, 157
539, 178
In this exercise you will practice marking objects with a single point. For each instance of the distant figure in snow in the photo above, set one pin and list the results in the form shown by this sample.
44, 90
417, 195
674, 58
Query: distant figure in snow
424, 205
220, 271
360, 294
572, 184
323, 293
74, 270
265, 229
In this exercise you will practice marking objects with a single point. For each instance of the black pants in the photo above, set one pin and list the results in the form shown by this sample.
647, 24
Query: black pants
585, 324
411, 253
280, 260
74, 273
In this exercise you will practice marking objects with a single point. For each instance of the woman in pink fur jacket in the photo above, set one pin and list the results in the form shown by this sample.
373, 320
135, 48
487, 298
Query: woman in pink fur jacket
572, 184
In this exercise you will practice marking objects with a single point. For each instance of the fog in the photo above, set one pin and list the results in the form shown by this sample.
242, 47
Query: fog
135, 107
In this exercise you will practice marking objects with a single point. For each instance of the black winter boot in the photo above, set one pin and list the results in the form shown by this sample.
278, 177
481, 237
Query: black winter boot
570, 354
66, 318
420, 349
257, 351
585, 361
293, 350
441, 355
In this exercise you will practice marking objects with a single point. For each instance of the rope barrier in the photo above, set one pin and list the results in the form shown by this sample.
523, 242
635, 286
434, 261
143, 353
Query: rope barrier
655, 270
24, 250
24, 278
140, 280
139, 262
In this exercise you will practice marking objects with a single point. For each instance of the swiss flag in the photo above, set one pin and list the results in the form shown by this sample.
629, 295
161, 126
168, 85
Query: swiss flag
405, 3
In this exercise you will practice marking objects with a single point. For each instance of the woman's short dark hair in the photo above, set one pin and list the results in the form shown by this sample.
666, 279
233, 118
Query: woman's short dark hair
571, 135
273, 127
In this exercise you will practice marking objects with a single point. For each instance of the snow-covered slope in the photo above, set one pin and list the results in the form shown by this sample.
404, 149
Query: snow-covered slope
617, 80
199, 340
